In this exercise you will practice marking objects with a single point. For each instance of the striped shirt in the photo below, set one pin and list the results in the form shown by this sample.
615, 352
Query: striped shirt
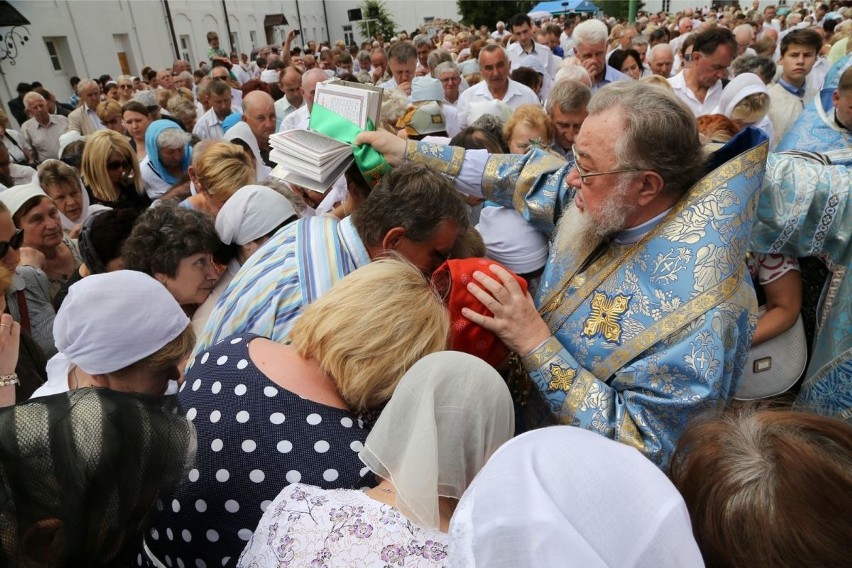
296, 266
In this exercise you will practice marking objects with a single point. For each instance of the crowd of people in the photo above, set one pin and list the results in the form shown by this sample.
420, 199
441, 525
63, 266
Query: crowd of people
600, 283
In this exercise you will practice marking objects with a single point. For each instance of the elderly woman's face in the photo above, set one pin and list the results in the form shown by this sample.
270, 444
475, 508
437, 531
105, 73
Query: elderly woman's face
194, 280
41, 225
68, 199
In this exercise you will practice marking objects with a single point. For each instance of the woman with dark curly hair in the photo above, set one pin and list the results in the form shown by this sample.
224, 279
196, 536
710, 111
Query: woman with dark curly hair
175, 245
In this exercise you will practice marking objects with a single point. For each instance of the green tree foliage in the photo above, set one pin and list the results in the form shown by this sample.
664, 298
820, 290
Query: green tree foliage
478, 12
617, 8
382, 20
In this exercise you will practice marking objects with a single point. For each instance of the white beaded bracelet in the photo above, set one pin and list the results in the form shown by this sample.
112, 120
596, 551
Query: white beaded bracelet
9, 380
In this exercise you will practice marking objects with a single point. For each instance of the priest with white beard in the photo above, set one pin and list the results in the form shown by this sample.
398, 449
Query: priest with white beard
645, 312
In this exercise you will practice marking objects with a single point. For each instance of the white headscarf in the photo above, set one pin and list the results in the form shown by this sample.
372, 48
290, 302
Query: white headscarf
86, 210
564, 496
110, 321
448, 414
251, 212
15, 197
241, 130
739, 88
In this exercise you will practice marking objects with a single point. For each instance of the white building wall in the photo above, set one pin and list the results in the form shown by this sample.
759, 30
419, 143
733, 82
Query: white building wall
89, 33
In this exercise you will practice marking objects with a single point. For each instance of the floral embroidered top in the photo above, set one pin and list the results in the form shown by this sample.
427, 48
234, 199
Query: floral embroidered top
309, 526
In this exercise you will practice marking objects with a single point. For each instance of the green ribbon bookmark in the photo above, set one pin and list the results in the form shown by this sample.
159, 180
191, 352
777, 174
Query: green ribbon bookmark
370, 162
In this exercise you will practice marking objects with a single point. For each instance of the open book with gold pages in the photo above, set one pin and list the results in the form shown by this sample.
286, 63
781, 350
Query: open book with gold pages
317, 157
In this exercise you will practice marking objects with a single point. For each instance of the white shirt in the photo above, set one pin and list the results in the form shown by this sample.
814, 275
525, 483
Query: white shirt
567, 43
282, 109
154, 185
240, 74
93, 116
541, 52
299, 118
209, 126
711, 100
516, 95
498, 35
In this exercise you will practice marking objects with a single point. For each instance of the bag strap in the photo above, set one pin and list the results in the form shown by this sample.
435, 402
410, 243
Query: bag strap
23, 310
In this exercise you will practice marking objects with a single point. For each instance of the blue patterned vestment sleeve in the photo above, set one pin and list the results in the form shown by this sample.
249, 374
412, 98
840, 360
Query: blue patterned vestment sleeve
805, 209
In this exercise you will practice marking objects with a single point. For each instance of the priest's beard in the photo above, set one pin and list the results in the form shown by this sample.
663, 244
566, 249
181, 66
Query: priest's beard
579, 232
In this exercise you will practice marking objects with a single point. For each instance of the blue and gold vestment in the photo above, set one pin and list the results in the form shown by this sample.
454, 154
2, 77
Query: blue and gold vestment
652, 333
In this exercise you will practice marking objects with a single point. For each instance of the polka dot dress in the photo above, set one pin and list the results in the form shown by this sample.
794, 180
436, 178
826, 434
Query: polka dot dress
254, 438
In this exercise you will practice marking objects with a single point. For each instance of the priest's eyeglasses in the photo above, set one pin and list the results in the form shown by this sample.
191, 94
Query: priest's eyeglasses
584, 175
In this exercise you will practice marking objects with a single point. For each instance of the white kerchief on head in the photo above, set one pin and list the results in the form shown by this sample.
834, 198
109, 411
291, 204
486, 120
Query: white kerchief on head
85, 211
511, 241
740, 87
565, 496
241, 130
251, 212
68, 138
496, 108
448, 414
15, 197
110, 321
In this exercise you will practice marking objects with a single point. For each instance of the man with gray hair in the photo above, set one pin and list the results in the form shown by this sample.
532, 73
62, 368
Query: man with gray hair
41, 132
566, 106
448, 74
622, 337
495, 84
424, 45
744, 35
84, 119
590, 48
661, 60
500, 32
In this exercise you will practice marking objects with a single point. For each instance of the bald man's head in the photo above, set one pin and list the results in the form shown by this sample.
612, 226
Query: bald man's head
259, 114
309, 85
290, 83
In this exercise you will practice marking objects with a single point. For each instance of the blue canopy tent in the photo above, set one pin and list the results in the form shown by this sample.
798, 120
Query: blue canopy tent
558, 7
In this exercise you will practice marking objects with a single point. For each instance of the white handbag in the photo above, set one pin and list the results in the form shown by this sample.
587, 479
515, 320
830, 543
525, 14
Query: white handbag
775, 365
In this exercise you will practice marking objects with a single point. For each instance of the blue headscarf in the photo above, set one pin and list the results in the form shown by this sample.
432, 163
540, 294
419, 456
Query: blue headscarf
151, 135
231, 120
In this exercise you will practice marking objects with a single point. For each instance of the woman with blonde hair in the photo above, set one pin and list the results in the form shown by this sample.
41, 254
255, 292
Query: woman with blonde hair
111, 172
528, 127
109, 111
125, 89
269, 415
615, 36
218, 170
450, 412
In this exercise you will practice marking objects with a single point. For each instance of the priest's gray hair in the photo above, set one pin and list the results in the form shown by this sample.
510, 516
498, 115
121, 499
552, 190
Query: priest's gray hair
660, 132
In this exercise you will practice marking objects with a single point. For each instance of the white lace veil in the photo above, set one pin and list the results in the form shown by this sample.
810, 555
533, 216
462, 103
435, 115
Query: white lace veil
448, 414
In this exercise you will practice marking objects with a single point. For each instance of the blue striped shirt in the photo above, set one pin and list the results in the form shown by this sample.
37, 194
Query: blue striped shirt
268, 293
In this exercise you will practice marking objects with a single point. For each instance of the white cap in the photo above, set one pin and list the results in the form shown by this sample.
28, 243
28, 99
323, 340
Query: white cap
250, 213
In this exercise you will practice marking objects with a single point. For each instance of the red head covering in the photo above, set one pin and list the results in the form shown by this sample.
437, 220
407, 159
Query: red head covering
451, 279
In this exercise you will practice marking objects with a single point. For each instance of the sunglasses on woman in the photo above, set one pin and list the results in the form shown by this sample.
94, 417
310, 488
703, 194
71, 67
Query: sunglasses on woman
118, 165
14, 243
